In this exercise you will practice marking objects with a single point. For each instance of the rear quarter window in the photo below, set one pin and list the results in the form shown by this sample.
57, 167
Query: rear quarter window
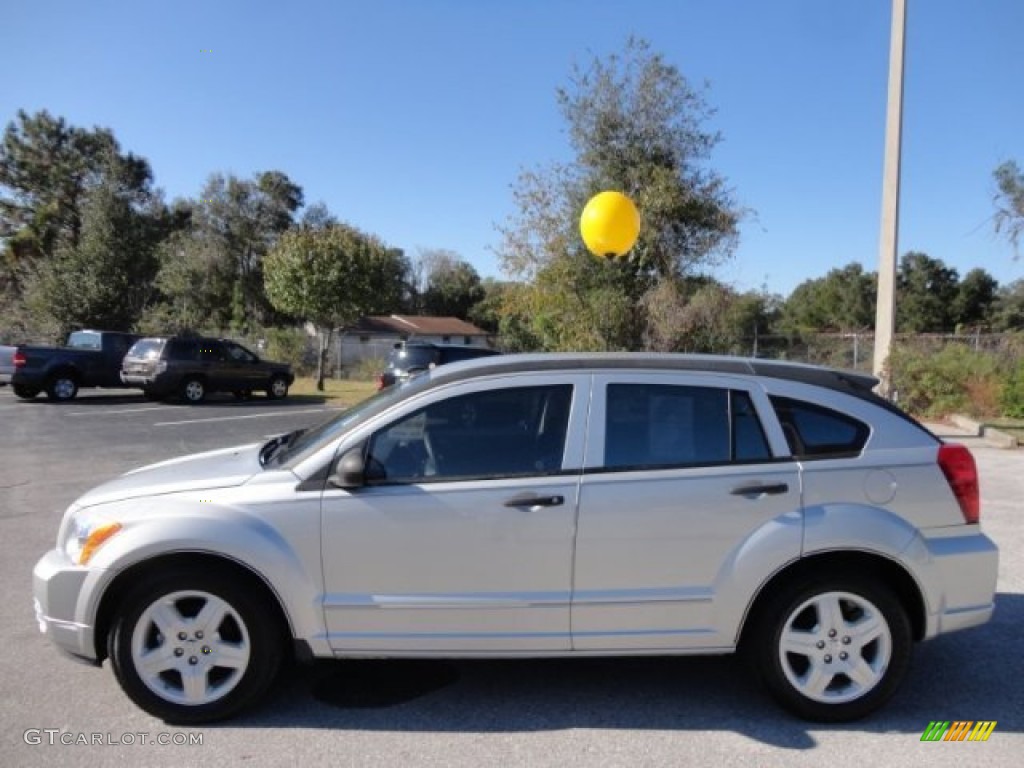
814, 431
146, 349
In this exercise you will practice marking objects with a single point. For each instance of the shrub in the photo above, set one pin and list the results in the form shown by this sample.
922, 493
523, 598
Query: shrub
293, 346
1012, 399
950, 379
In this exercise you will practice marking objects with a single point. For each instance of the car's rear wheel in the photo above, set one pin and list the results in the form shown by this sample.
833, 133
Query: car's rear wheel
194, 647
834, 651
193, 390
278, 388
62, 387
25, 393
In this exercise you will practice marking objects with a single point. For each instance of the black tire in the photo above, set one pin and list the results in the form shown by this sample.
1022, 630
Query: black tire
25, 393
810, 680
62, 387
220, 690
277, 388
193, 390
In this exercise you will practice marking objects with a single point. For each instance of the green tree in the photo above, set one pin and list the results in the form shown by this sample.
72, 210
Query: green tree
48, 169
926, 292
331, 277
105, 278
843, 300
487, 313
212, 275
1009, 201
975, 298
450, 287
636, 125
1008, 310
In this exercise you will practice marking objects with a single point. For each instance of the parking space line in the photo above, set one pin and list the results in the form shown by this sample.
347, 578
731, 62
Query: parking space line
124, 410
284, 412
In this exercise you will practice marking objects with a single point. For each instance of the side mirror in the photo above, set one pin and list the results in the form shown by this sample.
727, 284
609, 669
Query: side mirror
350, 470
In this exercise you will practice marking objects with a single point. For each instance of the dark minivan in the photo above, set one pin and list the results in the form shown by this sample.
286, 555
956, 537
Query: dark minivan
192, 367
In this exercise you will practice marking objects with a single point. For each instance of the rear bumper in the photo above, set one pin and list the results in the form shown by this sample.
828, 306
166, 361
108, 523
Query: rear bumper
960, 575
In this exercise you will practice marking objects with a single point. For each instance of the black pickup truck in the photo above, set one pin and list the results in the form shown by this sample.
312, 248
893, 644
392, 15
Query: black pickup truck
89, 359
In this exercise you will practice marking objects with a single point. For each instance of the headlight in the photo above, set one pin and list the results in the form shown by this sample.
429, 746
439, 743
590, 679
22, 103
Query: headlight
86, 534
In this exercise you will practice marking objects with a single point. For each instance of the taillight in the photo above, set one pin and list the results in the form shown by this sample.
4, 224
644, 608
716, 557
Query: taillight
961, 473
19, 359
380, 381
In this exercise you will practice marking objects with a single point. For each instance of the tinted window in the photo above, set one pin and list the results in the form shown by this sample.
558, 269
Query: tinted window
498, 433
815, 431
182, 349
455, 354
239, 353
412, 358
655, 425
748, 440
146, 349
211, 351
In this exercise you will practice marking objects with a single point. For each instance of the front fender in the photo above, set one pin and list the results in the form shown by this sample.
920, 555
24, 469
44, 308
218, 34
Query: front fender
288, 564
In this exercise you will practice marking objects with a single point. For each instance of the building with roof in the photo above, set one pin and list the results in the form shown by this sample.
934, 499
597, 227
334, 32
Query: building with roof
372, 337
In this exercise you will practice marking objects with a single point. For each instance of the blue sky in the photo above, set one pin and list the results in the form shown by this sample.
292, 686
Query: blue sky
412, 119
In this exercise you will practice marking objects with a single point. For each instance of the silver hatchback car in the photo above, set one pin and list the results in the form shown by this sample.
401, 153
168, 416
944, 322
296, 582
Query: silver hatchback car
539, 505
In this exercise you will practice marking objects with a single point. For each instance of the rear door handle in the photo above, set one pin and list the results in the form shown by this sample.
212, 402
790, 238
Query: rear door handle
529, 500
760, 489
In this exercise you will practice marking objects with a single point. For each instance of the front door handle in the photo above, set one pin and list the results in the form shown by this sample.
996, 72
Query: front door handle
760, 489
529, 500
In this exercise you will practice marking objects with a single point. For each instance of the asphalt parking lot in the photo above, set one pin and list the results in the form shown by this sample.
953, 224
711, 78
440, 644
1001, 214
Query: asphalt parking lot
626, 712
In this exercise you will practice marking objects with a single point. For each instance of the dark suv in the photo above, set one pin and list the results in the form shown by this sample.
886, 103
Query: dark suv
411, 357
193, 367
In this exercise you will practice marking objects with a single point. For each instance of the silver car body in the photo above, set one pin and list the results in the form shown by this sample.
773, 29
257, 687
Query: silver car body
662, 560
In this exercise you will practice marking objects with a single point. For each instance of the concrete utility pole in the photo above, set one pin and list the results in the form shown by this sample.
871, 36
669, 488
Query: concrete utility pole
889, 242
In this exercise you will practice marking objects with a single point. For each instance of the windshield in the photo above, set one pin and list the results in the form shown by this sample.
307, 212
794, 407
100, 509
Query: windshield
305, 443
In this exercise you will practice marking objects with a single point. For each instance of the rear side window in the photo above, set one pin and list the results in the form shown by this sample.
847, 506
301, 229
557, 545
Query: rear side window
412, 358
658, 425
146, 349
814, 431
182, 349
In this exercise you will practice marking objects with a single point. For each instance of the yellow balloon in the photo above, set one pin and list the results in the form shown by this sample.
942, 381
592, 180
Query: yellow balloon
610, 225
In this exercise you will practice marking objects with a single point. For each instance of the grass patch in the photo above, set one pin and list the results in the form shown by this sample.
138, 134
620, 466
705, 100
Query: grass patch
336, 391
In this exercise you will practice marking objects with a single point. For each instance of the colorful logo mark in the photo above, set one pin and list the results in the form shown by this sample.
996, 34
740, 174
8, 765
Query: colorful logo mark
959, 730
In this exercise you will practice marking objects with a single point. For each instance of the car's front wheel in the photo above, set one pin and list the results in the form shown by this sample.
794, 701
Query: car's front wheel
834, 651
194, 647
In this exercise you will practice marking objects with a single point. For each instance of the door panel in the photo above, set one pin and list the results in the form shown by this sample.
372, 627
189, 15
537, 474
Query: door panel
461, 546
669, 540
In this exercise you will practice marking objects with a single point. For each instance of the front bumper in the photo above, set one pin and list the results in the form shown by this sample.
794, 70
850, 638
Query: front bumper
60, 589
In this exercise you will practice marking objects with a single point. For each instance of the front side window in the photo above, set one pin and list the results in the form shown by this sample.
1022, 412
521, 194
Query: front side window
658, 425
493, 434
239, 354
